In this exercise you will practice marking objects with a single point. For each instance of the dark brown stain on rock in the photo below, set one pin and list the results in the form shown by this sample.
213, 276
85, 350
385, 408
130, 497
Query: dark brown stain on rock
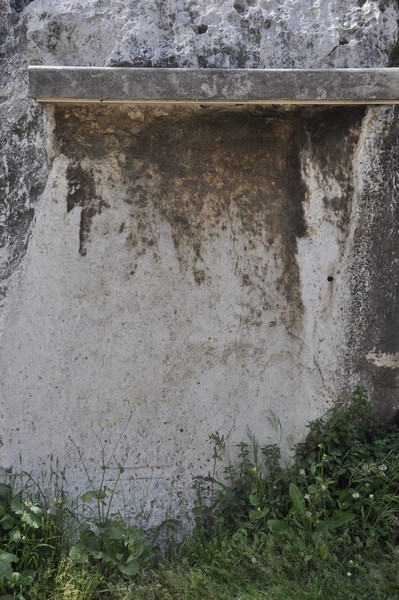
211, 170
81, 192
330, 137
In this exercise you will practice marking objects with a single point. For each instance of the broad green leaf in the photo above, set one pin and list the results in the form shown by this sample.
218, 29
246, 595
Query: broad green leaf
276, 526
323, 551
338, 520
253, 498
7, 522
5, 490
89, 539
6, 560
37, 510
297, 499
115, 530
130, 569
91, 495
136, 551
78, 554
16, 535
31, 519
135, 536
17, 506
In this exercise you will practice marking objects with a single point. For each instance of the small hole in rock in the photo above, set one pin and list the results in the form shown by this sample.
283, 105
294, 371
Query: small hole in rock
202, 28
330, 278
267, 24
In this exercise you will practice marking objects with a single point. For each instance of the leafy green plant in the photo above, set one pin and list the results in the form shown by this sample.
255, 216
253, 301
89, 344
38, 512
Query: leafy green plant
244, 493
349, 463
31, 530
105, 538
343, 477
113, 544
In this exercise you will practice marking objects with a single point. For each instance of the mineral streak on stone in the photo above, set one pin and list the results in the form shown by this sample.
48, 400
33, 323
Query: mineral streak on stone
249, 86
199, 265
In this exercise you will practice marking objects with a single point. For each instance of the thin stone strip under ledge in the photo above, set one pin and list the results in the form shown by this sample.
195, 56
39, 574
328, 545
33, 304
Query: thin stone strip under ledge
221, 86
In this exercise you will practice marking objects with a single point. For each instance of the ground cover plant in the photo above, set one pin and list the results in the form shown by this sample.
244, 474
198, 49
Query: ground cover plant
324, 524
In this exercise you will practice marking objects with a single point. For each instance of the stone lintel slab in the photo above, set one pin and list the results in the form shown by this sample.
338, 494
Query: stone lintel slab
220, 86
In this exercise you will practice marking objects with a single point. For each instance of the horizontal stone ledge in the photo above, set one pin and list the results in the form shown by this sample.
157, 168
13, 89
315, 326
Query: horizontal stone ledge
221, 86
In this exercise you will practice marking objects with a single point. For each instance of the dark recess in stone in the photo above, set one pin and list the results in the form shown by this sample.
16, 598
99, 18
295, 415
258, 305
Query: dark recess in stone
208, 169
394, 58
239, 6
143, 61
201, 28
330, 278
19, 5
395, 419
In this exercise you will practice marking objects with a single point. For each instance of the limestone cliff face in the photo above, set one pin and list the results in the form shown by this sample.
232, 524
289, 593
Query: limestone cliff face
200, 265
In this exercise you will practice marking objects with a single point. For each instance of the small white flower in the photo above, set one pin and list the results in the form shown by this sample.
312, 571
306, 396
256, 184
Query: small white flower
302, 472
323, 488
308, 514
351, 562
349, 574
254, 560
307, 497
355, 495
382, 467
371, 496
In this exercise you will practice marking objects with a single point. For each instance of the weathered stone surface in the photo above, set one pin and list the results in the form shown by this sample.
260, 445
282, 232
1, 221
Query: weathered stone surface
228, 86
373, 265
201, 265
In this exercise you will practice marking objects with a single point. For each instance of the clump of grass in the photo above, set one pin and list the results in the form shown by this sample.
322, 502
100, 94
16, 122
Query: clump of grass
32, 530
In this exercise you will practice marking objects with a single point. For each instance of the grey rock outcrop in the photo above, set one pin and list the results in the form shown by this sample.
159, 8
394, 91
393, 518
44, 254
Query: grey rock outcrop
129, 273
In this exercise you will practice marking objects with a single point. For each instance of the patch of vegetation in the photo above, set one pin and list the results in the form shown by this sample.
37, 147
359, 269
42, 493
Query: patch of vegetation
324, 526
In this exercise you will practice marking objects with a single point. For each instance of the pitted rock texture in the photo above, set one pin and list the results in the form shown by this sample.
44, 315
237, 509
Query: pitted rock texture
373, 341
22, 154
229, 33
